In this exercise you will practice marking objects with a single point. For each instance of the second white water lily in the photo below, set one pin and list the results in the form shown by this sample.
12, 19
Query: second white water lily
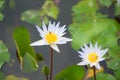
92, 55
51, 35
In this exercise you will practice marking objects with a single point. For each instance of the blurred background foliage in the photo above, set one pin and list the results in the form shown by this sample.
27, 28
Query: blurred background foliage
89, 24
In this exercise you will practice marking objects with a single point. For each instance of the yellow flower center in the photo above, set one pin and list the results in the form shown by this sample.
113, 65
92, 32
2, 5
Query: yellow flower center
92, 57
51, 37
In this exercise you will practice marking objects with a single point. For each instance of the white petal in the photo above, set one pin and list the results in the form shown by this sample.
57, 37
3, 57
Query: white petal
57, 25
55, 47
38, 43
96, 46
82, 55
60, 35
62, 30
44, 27
60, 42
104, 52
85, 51
82, 49
91, 46
63, 40
39, 29
56, 28
101, 59
86, 47
82, 63
50, 26
99, 48
91, 65
97, 65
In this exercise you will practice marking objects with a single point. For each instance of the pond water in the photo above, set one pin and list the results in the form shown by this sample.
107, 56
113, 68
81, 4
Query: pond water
67, 56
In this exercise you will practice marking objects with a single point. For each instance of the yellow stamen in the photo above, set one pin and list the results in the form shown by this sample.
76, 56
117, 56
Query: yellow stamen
51, 37
92, 57
91, 74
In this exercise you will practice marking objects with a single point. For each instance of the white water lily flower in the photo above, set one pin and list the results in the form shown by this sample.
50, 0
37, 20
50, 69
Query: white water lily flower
92, 55
52, 35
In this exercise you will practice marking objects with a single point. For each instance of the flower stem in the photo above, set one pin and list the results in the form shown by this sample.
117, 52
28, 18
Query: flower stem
51, 62
94, 72
46, 77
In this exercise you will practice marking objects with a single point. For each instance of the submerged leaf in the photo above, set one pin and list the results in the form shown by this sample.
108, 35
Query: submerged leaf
2, 4
12, 4
28, 60
4, 54
50, 9
13, 77
71, 73
22, 40
2, 76
32, 16
1, 16
36, 17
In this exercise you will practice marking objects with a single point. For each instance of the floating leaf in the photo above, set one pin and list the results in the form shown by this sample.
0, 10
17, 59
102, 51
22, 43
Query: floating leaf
50, 9
100, 30
4, 54
33, 16
12, 4
2, 76
22, 40
2, 2
71, 73
36, 17
84, 10
45, 70
1, 63
117, 73
117, 10
13, 77
105, 76
114, 64
106, 3
29, 60
1, 16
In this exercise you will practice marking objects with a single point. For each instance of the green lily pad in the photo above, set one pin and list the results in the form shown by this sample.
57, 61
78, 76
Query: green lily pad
13, 77
4, 54
105, 76
25, 53
71, 73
